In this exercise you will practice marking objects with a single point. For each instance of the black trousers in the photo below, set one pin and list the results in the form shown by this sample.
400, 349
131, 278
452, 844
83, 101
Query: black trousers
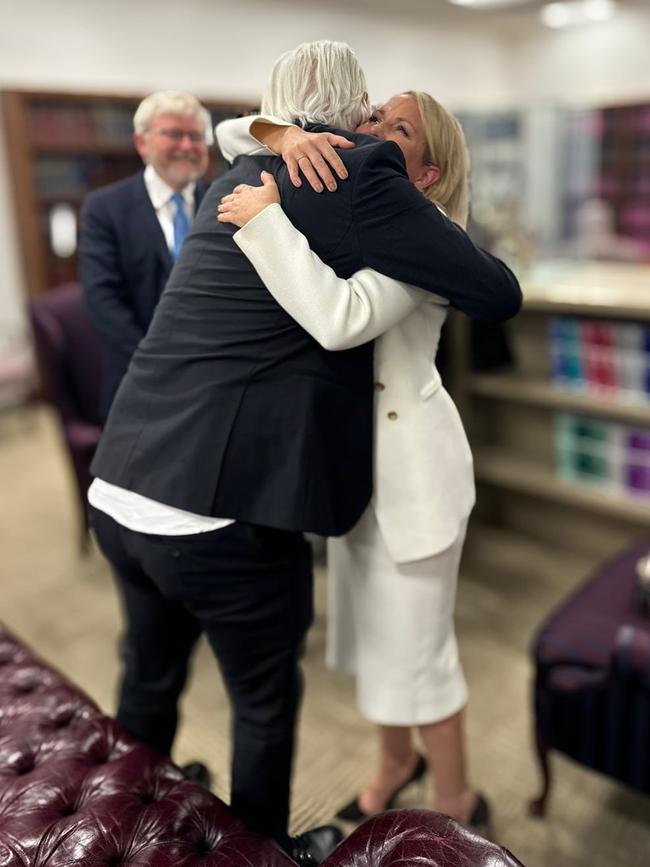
250, 590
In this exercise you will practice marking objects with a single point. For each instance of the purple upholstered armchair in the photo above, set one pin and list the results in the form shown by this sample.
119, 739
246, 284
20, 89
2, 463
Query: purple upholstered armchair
70, 369
77, 791
592, 683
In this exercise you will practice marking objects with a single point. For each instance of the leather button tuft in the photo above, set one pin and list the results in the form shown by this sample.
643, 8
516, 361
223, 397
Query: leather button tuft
379, 386
392, 416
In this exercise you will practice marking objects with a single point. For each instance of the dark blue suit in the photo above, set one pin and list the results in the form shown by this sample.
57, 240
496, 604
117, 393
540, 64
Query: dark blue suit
124, 264
229, 408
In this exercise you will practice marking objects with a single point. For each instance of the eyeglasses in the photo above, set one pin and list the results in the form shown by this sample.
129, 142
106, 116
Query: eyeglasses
177, 135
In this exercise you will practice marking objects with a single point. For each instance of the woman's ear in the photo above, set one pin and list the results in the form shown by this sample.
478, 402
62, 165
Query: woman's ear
428, 176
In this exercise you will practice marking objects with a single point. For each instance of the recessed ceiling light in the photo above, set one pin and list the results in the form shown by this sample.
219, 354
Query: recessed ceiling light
598, 10
489, 4
577, 12
556, 15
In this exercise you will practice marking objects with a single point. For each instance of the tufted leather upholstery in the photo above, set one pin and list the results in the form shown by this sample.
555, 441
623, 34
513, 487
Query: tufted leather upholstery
76, 790
417, 838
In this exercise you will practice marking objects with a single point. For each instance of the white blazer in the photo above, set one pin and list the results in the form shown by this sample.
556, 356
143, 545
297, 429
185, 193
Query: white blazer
424, 482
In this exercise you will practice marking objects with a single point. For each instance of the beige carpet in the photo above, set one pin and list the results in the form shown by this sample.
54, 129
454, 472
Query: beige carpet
65, 607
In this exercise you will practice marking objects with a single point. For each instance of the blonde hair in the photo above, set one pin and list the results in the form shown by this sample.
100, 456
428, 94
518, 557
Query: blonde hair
446, 149
171, 102
318, 82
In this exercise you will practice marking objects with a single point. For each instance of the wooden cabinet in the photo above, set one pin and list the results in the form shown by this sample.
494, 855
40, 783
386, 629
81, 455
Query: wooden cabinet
514, 420
60, 146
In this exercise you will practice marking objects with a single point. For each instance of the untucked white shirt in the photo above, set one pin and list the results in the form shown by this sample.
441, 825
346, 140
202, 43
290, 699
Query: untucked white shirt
143, 515
161, 194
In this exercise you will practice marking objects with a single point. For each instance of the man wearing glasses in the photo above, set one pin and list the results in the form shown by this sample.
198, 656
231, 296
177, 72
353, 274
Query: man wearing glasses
133, 230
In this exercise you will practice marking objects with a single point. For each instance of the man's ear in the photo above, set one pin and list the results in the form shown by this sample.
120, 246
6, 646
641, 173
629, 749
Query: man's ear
140, 143
428, 176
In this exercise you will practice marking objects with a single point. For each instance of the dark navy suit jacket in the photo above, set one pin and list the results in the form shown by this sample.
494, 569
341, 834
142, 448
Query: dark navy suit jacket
229, 408
124, 264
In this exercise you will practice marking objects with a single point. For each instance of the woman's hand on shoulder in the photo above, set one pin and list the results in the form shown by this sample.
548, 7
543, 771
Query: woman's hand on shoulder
246, 202
314, 154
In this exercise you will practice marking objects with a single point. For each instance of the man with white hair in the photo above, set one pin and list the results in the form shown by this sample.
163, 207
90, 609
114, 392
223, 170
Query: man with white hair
234, 432
132, 230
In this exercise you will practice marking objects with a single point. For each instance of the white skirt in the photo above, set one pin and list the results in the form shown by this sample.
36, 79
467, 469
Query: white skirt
392, 625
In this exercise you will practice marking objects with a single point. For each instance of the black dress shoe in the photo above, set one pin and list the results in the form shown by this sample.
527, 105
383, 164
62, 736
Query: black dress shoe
479, 819
312, 847
198, 773
352, 812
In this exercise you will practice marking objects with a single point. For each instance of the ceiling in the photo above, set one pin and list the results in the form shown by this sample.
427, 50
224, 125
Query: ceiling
507, 15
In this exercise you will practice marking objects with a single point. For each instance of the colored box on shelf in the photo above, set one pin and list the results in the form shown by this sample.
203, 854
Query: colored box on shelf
637, 461
590, 451
630, 336
638, 439
600, 369
591, 466
566, 367
632, 374
637, 478
598, 333
591, 429
564, 329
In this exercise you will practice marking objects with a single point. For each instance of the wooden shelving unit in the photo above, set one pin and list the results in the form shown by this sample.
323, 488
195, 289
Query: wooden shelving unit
516, 389
511, 418
522, 475
62, 145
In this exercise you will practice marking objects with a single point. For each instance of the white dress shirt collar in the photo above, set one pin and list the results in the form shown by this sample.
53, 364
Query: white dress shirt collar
160, 192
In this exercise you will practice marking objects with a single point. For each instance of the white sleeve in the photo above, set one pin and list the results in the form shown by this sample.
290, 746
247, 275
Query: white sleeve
234, 137
338, 313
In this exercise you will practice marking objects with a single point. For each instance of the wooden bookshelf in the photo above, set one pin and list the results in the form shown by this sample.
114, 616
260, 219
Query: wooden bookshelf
624, 167
512, 418
525, 476
62, 145
517, 389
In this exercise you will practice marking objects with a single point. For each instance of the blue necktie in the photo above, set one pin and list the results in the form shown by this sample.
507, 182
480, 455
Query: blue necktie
181, 224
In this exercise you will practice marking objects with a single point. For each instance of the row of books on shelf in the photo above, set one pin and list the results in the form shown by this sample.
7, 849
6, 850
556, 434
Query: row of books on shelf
611, 456
610, 359
72, 177
628, 119
58, 125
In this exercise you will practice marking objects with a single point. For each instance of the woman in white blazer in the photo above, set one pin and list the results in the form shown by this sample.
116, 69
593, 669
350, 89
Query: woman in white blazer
392, 578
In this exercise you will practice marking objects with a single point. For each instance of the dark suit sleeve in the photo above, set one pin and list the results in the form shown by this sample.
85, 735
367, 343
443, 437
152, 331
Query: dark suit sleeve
105, 291
403, 235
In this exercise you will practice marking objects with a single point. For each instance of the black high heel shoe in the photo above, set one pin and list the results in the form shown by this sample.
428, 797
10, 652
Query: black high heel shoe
352, 812
479, 819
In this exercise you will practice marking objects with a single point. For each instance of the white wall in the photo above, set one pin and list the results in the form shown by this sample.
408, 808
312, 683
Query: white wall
596, 64
226, 48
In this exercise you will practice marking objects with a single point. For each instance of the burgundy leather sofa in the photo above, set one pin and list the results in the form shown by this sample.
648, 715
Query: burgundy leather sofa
76, 790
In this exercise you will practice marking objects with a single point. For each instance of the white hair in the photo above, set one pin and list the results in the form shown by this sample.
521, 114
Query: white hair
318, 82
171, 102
